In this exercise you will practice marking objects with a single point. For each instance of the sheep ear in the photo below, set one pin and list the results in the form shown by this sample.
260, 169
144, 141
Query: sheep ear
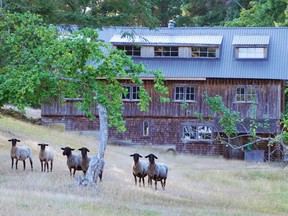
132, 155
147, 156
80, 149
140, 155
17, 140
154, 156
72, 149
46, 145
88, 150
39, 144
63, 148
10, 140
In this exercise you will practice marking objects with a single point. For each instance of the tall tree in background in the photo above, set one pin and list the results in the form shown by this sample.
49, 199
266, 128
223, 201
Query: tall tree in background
261, 13
89, 13
166, 10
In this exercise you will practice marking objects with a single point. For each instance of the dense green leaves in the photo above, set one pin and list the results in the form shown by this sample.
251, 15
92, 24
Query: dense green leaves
39, 64
261, 13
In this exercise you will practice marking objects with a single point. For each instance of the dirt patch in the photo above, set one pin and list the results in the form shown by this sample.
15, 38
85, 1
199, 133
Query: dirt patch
30, 115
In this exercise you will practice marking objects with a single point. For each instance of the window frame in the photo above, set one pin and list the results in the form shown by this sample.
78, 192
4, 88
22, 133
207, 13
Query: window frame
198, 135
146, 130
133, 51
203, 52
166, 51
132, 92
251, 48
246, 93
177, 94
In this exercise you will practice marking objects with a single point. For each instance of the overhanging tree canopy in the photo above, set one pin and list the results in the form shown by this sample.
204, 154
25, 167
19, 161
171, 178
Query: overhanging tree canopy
38, 63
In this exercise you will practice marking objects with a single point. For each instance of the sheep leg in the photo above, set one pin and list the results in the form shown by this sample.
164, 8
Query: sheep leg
150, 181
163, 184
41, 162
135, 179
16, 164
51, 165
24, 165
47, 165
12, 159
143, 181
155, 184
74, 172
31, 163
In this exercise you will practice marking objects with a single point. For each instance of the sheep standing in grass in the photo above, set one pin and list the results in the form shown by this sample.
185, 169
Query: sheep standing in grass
20, 153
74, 162
45, 155
156, 171
139, 169
86, 160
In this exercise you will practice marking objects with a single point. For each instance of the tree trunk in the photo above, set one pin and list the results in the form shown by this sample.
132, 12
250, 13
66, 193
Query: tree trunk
96, 164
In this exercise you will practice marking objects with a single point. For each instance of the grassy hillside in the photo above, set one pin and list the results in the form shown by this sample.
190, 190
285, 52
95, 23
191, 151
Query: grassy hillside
195, 185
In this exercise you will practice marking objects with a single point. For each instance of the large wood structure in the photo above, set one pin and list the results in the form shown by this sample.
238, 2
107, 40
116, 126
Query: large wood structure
248, 73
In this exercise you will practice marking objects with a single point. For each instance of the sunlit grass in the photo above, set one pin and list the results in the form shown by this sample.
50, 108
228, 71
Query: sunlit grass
196, 185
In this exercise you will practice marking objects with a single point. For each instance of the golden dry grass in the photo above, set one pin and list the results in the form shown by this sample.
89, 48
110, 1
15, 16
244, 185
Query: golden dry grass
195, 186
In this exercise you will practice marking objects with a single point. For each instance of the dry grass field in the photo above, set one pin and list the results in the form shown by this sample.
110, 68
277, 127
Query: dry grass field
195, 186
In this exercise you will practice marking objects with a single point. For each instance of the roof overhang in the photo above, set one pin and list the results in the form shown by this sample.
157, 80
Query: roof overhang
251, 40
157, 40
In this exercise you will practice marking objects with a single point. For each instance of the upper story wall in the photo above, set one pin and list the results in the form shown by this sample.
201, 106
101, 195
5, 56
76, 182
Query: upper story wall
269, 100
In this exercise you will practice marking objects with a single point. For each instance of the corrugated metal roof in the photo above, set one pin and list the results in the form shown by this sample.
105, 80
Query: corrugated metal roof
251, 40
274, 67
168, 40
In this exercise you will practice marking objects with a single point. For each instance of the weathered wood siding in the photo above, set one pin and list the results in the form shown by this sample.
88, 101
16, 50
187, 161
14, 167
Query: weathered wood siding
269, 94
166, 119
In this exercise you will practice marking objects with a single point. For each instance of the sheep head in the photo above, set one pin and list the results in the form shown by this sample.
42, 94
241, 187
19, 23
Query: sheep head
151, 158
83, 151
43, 145
14, 141
136, 157
67, 151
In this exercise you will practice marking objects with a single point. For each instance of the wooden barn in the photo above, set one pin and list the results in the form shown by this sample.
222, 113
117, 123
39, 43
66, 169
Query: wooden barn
246, 66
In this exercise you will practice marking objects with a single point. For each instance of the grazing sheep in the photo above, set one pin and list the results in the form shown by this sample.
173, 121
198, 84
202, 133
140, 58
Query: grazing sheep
139, 168
86, 160
73, 161
45, 155
156, 171
20, 153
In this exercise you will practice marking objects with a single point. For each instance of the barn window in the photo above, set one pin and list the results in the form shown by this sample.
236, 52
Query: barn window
197, 132
131, 50
251, 46
251, 52
132, 93
145, 128
205, 52
166, 51
184, 93
246, 94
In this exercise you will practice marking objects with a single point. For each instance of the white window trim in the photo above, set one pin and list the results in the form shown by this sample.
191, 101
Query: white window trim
251, 52
198, 134
246, 87
130, 93
217, 52
185, 93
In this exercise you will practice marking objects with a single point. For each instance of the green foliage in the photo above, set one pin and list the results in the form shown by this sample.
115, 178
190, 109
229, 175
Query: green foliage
261, 13
39, 64
228, 119
23, 69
